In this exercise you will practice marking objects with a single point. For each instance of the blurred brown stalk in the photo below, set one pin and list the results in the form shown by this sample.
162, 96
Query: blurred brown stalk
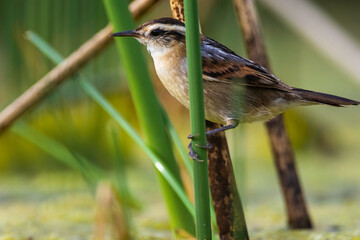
109, 212
298, 216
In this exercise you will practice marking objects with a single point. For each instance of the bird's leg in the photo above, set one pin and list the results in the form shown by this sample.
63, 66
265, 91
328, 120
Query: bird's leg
230, 125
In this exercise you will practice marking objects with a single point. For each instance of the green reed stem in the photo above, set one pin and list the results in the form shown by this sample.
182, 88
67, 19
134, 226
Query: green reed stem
148, 109
197, 118
121, 176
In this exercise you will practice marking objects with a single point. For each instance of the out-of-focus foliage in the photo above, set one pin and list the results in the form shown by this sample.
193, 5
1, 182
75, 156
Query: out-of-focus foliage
66, 114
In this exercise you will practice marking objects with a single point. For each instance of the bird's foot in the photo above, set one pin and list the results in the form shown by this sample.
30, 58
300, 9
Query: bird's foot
192, 154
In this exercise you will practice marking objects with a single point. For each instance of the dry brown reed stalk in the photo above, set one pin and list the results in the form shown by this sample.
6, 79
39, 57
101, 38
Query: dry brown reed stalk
298, 216
226, 199
66, 69
177, 9
109, 212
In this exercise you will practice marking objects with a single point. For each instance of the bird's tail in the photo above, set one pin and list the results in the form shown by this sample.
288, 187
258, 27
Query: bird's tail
323, 98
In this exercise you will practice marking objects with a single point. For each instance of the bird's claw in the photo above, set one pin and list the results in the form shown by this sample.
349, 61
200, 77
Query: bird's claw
208, 146
193, 155
192, 136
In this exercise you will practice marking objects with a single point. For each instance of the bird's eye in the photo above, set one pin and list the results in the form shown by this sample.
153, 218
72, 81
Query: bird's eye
156, 32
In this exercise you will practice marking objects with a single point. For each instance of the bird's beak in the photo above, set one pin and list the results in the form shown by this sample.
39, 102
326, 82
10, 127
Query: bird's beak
130, 33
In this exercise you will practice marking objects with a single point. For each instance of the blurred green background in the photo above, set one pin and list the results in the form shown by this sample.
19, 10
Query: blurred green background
326, 140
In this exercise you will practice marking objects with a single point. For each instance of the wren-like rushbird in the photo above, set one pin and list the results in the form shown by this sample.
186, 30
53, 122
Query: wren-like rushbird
236, 89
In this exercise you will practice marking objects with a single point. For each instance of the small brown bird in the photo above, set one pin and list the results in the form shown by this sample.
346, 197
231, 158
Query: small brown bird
236, 89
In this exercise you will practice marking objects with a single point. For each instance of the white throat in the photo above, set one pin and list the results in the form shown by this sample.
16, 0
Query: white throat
157, 51
154, 49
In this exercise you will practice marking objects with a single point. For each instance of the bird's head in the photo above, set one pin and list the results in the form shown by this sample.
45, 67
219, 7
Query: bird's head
158, 34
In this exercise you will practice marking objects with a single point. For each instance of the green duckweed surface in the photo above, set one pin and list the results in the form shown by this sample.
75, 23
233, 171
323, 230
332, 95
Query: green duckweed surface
61, 206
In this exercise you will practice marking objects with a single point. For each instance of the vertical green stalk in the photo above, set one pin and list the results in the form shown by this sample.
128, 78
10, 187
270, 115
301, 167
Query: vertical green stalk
197, 117
148, 109
121, 178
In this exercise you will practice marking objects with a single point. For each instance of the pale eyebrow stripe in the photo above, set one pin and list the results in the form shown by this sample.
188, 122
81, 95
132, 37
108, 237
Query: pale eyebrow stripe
167, 27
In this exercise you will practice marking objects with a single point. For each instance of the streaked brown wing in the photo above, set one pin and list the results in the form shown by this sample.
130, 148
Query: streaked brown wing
223, 65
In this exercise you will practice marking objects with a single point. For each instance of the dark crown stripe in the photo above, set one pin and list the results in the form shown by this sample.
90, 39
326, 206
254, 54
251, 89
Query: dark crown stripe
169, 21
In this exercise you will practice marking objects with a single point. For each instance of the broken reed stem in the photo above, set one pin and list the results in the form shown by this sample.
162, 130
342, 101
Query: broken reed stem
66, 69
226, 199
298, 216
177, 9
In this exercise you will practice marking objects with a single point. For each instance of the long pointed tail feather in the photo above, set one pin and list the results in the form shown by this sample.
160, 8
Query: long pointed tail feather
323, 98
